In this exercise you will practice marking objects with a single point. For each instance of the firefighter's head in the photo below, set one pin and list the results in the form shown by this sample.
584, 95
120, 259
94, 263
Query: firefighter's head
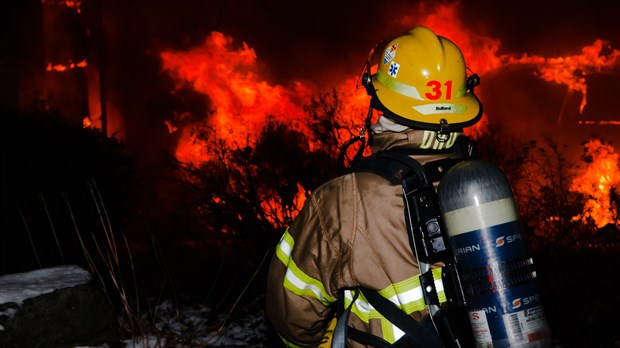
421, 82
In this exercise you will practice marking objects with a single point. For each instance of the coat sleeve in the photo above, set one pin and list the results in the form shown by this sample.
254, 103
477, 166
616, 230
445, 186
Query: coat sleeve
303, 279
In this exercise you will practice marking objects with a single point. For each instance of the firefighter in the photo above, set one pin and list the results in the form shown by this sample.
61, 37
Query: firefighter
351, 232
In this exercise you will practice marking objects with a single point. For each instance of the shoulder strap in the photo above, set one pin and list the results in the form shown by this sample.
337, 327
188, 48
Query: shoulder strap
393, 163
396, 166
340, 332
416, 333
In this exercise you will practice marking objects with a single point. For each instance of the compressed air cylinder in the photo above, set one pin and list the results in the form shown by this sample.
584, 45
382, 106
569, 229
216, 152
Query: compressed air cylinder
497, 274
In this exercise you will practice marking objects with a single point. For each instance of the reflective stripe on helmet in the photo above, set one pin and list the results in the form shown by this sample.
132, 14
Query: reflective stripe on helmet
398, 87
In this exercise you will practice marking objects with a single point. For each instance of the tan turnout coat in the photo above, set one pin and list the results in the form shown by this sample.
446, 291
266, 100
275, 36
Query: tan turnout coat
351, 232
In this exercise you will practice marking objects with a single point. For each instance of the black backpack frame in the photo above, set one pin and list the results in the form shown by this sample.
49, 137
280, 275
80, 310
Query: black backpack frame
449, 325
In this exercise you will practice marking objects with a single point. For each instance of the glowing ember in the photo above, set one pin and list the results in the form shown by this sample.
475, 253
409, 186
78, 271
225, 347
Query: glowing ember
602, 122
64, 67
74, 4
596, 182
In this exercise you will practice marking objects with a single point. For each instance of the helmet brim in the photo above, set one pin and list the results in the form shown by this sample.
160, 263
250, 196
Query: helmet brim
458, 112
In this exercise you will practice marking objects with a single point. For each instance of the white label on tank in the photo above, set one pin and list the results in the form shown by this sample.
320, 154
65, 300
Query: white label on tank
480, 327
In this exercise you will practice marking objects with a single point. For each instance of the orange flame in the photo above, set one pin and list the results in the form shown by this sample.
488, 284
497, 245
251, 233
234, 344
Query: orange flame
64, 67
572, 70
241, 99
596, 182
481, 55
273, 208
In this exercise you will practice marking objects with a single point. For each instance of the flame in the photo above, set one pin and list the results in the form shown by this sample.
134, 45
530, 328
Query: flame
274, 209
241, 99
64, 67
481, 55
596, 182
573, 70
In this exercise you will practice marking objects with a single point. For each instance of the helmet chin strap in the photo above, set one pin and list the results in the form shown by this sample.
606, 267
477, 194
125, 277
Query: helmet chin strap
443, 134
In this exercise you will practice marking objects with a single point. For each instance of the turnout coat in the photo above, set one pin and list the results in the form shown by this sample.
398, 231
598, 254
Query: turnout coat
351, 232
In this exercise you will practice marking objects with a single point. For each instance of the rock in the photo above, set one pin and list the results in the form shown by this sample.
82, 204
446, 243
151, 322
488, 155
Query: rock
77, 315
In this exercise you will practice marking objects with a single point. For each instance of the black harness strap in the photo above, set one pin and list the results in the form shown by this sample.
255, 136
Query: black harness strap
415, 332
340, 332
367, 338
399, 168
394, 165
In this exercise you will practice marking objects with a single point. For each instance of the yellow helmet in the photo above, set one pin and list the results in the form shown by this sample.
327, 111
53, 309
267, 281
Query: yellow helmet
421, 82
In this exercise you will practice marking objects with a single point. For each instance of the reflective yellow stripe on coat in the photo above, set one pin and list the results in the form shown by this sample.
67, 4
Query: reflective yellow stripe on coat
296, 280
407, 294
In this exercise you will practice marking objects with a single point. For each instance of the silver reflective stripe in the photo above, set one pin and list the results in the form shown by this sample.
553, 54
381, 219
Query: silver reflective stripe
295, 279
481, 216
398, 87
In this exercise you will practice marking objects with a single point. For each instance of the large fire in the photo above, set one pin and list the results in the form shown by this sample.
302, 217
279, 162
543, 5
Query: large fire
242, 100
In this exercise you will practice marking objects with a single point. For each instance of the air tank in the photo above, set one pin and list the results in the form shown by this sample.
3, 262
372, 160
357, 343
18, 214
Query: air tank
496, 271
